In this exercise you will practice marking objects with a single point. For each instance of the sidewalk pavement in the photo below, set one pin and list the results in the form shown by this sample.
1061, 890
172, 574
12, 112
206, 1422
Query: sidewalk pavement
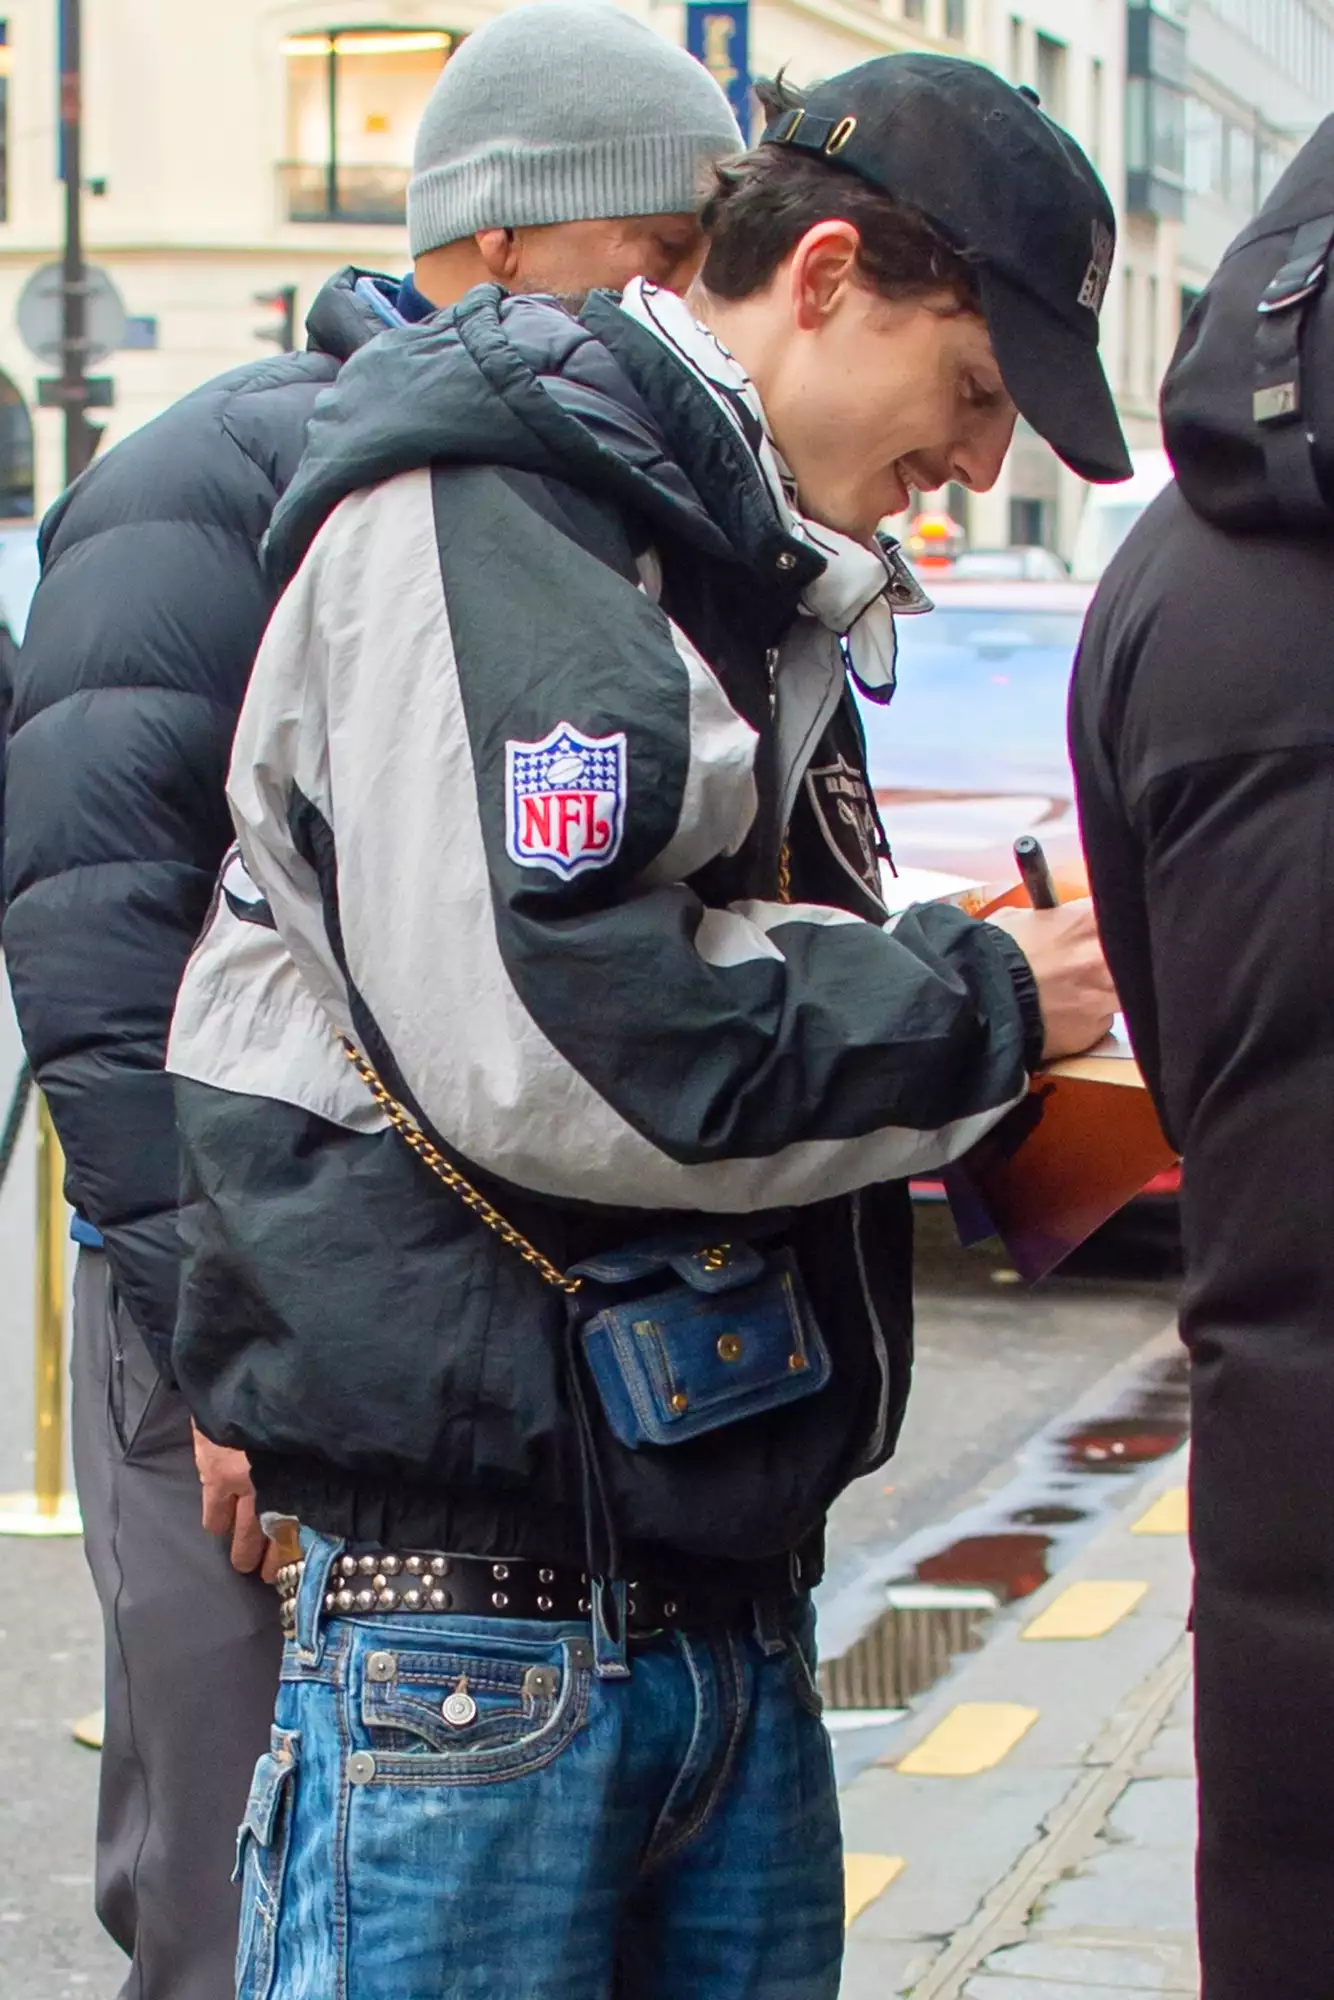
1031, 1834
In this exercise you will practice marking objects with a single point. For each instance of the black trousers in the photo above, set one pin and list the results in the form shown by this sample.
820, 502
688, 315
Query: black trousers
192, 1654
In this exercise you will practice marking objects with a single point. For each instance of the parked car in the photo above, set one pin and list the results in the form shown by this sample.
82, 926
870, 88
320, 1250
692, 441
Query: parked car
972, 752
1022, 563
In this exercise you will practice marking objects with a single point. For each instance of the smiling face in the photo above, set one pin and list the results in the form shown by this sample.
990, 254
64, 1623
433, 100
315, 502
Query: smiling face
867, 397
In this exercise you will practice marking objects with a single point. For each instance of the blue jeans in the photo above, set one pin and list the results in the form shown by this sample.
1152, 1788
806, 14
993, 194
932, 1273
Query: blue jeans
459, 1806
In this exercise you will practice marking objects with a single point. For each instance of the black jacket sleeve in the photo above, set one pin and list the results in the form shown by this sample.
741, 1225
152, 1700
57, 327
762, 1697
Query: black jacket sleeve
139, 645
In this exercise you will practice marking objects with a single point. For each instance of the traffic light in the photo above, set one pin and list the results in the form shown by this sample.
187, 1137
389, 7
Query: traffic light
281, 329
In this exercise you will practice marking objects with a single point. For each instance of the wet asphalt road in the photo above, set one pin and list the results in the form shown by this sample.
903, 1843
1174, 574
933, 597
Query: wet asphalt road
996, 1364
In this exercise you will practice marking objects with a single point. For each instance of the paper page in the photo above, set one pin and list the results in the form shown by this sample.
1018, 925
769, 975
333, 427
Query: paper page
1116, 1043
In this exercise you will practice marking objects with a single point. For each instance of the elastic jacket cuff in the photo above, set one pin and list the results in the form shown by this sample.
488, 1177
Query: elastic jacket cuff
1025, 984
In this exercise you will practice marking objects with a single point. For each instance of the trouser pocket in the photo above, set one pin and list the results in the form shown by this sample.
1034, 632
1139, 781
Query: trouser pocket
261, 1857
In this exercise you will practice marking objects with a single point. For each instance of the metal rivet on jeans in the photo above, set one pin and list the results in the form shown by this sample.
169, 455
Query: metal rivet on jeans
381, 1666
459, 1708
540, 1683
360, 1767
579, 1653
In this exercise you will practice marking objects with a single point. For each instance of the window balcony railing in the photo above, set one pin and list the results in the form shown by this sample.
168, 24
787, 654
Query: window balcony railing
321, 192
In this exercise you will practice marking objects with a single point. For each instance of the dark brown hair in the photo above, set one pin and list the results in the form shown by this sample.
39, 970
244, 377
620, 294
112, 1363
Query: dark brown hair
761, 205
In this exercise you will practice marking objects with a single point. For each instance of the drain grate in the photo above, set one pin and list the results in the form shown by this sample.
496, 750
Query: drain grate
909, 1648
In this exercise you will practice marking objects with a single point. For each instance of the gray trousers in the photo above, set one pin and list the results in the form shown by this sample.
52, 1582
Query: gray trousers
192, 1653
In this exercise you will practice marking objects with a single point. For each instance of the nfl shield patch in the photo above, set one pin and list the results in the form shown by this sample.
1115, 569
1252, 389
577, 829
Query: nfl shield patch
565, 800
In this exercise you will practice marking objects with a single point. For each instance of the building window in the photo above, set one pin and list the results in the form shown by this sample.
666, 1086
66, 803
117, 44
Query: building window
1097, 111
1030, 524
1129, 348
1204, 148
1018, 41
956, 20
1051, 76
354, 100
16, 480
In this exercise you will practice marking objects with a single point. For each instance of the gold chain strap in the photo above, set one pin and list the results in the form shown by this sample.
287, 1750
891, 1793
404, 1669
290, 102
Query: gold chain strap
407, 1127
785, 871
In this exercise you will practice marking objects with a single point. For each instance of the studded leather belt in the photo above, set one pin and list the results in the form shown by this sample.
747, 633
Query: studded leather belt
381, 1580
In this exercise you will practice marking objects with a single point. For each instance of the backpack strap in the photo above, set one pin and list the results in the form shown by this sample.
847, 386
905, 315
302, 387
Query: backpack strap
1277, 403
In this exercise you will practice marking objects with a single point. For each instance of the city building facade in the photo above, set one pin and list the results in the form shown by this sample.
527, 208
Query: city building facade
1260, 78
233, 156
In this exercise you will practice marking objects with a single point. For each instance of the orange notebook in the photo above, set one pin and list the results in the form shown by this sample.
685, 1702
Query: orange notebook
1084, 1142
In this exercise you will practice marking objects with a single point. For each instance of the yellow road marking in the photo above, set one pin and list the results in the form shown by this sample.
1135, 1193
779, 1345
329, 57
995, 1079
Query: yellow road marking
1168, 1515
866, 1876
1086, 1611
973, 1737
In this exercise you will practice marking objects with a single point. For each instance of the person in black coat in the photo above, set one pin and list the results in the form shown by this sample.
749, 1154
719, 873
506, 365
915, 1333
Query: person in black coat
1202, 728
139, 647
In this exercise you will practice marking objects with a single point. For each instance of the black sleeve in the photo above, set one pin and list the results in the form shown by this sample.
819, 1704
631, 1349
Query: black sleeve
1112, 847
139, 643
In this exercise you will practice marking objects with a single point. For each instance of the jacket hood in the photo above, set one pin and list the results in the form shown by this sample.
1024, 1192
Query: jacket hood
340, 321
1217, 447
591, 398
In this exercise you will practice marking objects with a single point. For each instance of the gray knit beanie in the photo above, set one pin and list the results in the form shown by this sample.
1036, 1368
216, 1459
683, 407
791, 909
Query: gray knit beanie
563, 111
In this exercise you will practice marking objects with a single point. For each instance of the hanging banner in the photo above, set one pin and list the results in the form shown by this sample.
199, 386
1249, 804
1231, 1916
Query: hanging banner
719, 37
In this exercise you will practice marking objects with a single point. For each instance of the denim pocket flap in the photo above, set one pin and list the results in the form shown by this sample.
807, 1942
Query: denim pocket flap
273, 1774
684, 1361
717, 1268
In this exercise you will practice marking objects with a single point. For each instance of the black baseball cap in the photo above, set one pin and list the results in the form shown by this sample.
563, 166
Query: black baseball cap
1002, 182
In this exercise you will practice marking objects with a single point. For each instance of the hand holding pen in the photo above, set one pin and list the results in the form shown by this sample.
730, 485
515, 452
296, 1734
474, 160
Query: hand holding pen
1062, 946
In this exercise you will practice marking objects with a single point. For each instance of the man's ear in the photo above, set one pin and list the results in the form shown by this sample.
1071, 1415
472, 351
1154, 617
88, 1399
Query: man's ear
824, 263
499, 251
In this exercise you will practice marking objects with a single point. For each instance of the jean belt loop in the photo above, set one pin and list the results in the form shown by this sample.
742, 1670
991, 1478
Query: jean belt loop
321, 1553
772, 1634
610, 1630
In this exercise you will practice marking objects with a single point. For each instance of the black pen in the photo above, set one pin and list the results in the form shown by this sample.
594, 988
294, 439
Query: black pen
1036, 873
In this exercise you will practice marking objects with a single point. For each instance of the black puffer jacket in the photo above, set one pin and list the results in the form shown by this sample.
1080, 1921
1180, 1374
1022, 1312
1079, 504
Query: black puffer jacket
1203, 739
139, 645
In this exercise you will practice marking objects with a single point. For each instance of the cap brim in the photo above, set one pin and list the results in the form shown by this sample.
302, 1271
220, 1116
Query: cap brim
1056, 379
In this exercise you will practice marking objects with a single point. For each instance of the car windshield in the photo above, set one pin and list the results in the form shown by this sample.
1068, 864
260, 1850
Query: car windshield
980, 704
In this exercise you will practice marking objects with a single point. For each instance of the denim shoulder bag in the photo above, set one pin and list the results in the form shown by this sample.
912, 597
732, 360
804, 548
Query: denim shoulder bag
679, 1338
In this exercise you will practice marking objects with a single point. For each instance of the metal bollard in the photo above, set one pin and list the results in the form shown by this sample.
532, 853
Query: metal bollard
47, 1510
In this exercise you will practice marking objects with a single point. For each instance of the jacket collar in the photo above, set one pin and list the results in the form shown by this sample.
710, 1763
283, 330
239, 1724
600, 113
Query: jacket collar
341, 320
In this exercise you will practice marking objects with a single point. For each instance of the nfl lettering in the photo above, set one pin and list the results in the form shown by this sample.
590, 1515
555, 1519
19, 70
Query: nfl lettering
565, 800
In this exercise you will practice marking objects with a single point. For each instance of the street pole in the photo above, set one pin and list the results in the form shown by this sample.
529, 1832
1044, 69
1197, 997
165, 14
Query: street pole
80, 436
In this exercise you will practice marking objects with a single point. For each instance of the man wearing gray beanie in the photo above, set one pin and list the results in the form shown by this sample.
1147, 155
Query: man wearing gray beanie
562, 151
